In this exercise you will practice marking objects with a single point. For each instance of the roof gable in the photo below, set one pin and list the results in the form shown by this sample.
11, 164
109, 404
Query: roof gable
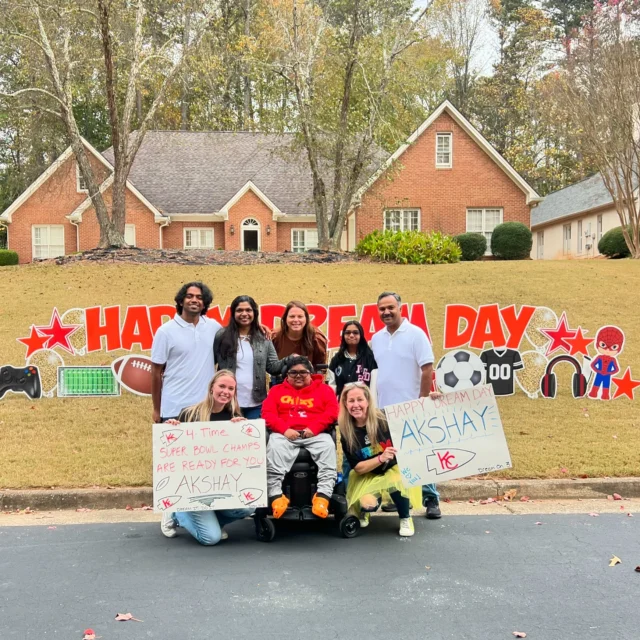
476, 136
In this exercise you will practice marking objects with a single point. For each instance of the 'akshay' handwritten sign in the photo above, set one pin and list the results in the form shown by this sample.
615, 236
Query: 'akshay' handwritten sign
455, 436
202, 466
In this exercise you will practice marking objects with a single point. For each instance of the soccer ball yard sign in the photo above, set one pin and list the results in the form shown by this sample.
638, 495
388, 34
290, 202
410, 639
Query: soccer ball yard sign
459, 370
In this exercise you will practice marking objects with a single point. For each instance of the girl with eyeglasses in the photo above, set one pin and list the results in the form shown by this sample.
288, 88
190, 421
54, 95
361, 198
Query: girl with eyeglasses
354, 360
367, 446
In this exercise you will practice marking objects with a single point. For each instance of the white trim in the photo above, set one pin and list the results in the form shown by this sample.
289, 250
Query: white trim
484, 230
351, 232
402, 211
78, 188
305, 236
33, 239
241, 192
531, 195
449, 165
198, 229
130, 226
34, 186
254, 227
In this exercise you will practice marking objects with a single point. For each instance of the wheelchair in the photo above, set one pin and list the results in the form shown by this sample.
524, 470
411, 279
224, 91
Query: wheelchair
299, 486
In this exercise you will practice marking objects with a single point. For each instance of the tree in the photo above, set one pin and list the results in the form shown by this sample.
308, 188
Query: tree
602, 91
340, 58
132, 57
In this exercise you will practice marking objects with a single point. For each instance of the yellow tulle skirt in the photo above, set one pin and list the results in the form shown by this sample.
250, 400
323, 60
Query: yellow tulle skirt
374, 485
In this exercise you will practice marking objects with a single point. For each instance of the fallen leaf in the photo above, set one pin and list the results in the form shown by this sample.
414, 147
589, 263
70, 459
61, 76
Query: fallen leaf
615, 437
146, 507
614, 561
123, 617
427, 568
617, 496
594, 515
89, 634
638, 568
511, 494
630, 515
472, 501
609, 497
487, 531
447, 500
525, 499
519, 634
539, 522
52, 527
583, 476
564, 470
129, 507
622, 507
82, 510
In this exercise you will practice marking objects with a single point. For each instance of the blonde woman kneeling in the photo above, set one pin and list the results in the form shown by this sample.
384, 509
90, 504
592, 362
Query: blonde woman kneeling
221, 403
366, 443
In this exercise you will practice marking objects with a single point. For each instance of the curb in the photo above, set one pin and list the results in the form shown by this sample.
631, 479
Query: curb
461, 490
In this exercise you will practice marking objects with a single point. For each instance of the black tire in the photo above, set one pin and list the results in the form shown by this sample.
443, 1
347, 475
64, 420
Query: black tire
349, 526
265, 529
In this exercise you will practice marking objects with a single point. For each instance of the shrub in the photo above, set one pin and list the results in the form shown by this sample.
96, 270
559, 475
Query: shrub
8, 257
613, 244
473, 245
410, 247
511, 241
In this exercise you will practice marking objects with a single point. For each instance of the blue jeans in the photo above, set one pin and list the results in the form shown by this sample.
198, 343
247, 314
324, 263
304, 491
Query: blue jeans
429, 491
346, 470
206, 526
251, 413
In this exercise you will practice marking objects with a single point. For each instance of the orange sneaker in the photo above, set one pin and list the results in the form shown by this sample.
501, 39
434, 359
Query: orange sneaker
320, 506
279, 506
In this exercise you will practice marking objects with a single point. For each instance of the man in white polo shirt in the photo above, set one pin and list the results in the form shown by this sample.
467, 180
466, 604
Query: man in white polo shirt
405, 370
182, 354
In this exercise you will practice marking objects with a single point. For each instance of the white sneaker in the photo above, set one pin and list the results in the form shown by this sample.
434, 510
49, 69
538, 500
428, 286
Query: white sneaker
168, 525
224, 535
364, 520
406, 527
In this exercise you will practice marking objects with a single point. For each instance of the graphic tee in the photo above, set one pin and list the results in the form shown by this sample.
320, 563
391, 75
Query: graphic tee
366, 451
500, 366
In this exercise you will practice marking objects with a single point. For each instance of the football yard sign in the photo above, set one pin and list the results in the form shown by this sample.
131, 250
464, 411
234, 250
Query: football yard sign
457, 435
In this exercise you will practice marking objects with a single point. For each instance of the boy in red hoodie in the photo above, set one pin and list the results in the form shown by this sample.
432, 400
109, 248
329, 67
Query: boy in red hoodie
299, 413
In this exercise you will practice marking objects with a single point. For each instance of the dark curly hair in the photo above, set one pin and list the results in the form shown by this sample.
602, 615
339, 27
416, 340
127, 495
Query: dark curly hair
207, 296
292, 361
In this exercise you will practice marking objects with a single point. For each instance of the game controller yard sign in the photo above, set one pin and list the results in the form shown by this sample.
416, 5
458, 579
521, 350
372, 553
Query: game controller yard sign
523, 347
78, 332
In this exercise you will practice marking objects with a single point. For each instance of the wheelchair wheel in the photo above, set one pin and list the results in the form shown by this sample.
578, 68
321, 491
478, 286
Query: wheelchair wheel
265, 529
349, 526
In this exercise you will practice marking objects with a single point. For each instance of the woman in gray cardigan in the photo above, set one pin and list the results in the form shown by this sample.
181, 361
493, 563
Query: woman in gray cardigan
242, 348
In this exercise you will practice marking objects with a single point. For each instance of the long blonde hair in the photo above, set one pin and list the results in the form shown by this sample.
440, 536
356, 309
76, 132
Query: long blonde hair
347, 424
202, 411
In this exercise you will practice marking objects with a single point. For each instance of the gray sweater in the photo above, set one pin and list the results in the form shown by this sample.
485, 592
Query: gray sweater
265, 360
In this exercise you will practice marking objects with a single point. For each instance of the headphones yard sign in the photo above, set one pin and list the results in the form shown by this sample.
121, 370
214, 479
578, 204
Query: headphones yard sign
596, 370
498, 334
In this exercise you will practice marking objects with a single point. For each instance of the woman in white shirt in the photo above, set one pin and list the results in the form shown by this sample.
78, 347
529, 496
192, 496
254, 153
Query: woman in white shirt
242, 348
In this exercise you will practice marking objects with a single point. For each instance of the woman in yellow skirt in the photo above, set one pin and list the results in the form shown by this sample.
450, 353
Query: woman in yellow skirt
366, 443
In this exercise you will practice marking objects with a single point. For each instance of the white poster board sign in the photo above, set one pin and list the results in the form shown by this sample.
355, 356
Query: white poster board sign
455, 436
202, 466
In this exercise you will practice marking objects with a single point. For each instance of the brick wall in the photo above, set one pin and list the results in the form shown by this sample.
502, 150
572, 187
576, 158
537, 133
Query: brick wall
250, 206
442, 195
173, 235
284, 233
55, 199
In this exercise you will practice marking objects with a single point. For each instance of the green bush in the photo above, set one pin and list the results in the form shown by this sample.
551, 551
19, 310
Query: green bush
410, 247
8, 257
473, 245
511, 241
613, 244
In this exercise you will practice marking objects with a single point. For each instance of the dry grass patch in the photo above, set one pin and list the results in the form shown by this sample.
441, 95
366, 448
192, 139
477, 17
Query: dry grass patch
106, 441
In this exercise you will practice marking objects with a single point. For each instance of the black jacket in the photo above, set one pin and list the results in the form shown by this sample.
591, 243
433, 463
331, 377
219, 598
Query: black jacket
346, 370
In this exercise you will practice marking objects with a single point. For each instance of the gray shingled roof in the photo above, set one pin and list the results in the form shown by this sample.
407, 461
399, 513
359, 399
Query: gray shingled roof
199, 172
587, 194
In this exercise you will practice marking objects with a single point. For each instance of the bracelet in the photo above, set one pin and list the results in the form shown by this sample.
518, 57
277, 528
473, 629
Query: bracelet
380, 461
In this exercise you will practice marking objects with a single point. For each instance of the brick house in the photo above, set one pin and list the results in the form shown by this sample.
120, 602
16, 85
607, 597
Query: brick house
248, 191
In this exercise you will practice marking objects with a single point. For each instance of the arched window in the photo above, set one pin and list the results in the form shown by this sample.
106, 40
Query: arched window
250, 234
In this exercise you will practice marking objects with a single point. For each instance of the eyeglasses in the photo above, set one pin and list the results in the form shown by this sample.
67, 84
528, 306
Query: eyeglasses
351, 333
298, 373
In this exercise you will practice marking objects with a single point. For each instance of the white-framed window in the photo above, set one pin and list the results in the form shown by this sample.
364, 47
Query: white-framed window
81, 186
48, 241
444, 150
580, 239
402, 220
198, 238
566, 239
540, 245
130, 234
303, 240
599, 226
484, 221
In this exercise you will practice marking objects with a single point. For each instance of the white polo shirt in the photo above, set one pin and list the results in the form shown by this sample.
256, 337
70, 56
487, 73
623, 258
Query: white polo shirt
400, 357
187, 351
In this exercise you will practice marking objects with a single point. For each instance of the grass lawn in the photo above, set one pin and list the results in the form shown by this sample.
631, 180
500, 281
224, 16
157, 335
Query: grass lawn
100, 441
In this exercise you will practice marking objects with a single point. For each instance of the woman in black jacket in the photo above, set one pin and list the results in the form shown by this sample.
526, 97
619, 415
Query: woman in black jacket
354, 361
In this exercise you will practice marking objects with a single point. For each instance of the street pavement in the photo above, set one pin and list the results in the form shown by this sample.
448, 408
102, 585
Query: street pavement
476, 577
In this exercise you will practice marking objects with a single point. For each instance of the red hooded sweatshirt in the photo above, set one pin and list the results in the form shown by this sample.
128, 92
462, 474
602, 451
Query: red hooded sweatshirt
314, 407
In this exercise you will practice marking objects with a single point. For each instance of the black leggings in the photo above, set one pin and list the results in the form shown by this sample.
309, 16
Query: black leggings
403, 504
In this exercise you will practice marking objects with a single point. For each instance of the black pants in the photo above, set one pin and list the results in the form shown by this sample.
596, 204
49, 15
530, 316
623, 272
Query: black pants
403, 504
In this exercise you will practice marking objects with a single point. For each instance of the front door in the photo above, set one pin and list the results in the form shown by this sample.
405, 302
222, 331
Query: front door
250, 239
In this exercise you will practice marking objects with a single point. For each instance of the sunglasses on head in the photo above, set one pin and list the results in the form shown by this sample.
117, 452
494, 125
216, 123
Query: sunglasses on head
353, 385
298, 373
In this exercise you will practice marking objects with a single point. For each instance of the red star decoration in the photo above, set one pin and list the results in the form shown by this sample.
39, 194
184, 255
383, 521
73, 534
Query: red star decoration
559, 335
625, 386
579, 344
35, 341
58, 333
